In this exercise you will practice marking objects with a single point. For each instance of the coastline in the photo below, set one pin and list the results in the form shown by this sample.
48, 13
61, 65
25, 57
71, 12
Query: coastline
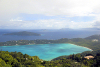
59, 43
82, 46
62, 55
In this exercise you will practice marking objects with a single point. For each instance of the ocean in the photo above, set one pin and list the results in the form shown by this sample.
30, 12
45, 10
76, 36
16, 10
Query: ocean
47, 34
46, 51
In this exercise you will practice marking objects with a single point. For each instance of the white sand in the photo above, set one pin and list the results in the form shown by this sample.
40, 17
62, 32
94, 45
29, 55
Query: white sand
82, 46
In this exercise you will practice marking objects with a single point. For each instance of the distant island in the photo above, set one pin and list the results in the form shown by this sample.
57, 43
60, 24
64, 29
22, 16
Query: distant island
23, 33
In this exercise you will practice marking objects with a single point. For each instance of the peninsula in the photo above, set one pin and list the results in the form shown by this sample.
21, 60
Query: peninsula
92, 42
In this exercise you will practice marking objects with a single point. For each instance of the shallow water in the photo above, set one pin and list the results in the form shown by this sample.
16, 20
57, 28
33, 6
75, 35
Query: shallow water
46, 51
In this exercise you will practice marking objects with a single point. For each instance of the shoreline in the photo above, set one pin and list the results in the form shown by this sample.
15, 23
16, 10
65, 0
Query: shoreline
59, 43
62, 55
82, 46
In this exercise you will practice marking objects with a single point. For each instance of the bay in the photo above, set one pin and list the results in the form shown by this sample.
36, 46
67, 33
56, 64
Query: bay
46, 51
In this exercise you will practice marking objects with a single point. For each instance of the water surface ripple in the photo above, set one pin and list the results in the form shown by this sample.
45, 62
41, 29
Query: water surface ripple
46, 51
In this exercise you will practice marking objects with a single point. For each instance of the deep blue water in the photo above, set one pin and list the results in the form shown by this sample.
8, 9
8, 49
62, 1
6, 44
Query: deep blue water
47, 34
46, 51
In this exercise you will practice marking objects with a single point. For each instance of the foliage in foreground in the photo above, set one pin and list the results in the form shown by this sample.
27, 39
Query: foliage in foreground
17, 59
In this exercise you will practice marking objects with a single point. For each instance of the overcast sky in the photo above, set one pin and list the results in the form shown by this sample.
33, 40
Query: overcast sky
49, 14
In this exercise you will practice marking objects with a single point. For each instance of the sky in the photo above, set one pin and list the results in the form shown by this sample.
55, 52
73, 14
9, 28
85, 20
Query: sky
49, 14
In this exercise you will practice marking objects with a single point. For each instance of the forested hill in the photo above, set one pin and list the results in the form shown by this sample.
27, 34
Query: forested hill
23, 33
93, 37
17, 59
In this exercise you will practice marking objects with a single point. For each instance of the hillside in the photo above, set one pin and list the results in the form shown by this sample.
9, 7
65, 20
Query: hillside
93, 37
17, 59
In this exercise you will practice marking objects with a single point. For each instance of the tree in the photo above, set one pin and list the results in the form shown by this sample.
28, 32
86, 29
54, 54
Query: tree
3, 64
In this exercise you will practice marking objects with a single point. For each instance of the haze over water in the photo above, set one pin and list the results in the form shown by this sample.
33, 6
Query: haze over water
47, 34
46, 51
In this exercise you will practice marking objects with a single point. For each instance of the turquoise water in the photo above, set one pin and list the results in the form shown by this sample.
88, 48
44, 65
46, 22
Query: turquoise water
46, 51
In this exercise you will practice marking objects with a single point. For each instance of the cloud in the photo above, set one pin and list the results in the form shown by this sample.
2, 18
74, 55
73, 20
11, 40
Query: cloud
50, 7
97, 24
11, 11
17, 19
46, 24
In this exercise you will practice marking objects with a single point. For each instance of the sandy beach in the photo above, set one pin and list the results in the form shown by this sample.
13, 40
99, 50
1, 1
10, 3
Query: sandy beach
82, 46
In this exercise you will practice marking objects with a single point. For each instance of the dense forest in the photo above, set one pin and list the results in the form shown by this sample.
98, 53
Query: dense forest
17, 59
85, 59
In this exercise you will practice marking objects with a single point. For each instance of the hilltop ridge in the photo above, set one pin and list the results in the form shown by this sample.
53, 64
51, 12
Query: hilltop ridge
93, 37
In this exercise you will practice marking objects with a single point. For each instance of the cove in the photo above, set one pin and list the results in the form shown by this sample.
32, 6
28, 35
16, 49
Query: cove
46, 51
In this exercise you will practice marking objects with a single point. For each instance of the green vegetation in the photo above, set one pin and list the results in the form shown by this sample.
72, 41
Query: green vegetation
17, 59
19, 42
23, 33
